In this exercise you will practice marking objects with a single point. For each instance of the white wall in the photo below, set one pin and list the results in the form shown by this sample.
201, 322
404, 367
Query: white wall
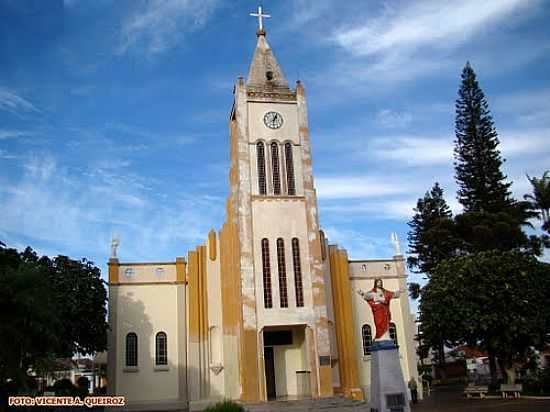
289, 359
362, 274
285, 219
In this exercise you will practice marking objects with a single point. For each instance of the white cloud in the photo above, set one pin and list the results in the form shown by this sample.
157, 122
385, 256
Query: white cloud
349, 187
410, 150
41, 168
390, 119
159, 25
6, 155
12, 102
399, 209
530, 107
412, 39
405, 28
13, 134
358, 244
517, 142
76, 213
413, 150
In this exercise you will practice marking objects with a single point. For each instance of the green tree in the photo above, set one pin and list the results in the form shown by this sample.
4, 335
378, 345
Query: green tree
539, 200
431, 238
492, 222
48, 308
492, 219
494, 300
29, 325
482, 186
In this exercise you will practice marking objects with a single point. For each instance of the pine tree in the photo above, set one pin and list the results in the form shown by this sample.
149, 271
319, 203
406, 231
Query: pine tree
431, 238
492, 219
482, 185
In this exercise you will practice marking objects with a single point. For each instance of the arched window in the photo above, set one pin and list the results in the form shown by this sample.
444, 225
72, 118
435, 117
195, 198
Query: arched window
276, 169
131, 349
281, 265
260, 153
298, 284
266, 267
161, 346
366, 333
291, 184
393, 333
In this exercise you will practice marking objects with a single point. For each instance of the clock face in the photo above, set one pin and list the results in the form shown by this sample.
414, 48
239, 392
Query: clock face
273, 120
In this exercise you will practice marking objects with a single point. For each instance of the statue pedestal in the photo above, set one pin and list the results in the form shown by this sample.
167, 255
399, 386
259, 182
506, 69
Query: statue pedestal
388, 389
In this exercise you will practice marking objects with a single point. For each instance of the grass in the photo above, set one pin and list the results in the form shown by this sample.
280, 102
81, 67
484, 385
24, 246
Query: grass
225, 406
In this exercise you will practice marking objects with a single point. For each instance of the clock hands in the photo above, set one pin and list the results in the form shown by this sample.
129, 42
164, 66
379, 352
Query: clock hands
273, 120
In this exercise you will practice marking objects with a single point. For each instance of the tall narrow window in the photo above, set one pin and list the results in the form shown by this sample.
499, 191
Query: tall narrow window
161, 352
283, 290
298, 284
366, 333
131, 349
260, 153
393, 333
276, 169
290, 182
268, 297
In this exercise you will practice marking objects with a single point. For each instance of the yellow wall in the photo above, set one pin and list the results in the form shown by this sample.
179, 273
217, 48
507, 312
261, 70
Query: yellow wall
143, 309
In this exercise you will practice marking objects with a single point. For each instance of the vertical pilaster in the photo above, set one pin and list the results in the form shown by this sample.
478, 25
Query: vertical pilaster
194, 365
248, 342
231, 275
114, 267
322, 373
112, 334
181, 266
182, 340
343, 314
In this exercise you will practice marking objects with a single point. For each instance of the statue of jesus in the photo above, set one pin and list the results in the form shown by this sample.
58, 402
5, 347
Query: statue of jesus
379, 299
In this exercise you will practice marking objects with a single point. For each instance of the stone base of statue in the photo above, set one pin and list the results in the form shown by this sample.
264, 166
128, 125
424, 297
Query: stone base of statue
388, 391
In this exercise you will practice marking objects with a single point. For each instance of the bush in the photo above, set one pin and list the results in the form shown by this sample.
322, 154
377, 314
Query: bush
64, 387
225, 406
537, 383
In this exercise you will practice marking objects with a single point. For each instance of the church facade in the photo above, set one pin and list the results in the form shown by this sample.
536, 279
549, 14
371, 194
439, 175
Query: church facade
265, 308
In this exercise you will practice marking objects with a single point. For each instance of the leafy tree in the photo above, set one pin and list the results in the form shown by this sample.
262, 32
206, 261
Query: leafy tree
482, 185
29, 325
431, 238
494, 300
539, 200
48, 308
472, 296
480, 231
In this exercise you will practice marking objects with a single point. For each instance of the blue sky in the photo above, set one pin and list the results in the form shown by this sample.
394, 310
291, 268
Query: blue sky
113, 114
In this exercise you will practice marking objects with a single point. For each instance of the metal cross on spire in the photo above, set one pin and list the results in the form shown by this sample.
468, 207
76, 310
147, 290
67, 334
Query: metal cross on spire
260, 16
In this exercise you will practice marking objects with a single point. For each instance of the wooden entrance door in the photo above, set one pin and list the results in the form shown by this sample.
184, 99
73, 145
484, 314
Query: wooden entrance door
270, 372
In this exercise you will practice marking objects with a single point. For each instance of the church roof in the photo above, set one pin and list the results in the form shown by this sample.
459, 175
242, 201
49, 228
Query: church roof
265, 72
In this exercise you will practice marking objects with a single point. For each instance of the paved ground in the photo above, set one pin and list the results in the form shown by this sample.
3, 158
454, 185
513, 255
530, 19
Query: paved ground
447, 399
450, 399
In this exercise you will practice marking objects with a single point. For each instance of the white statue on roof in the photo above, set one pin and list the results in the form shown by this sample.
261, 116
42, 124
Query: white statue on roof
114, 244
396, 244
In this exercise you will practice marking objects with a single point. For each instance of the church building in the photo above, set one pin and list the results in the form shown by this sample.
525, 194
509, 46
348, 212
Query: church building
266, 307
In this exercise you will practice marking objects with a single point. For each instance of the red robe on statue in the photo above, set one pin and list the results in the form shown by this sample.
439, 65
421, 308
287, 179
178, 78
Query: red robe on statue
381, 312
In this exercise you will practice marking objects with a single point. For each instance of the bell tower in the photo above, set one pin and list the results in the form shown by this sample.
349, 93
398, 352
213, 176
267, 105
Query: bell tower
272, 264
